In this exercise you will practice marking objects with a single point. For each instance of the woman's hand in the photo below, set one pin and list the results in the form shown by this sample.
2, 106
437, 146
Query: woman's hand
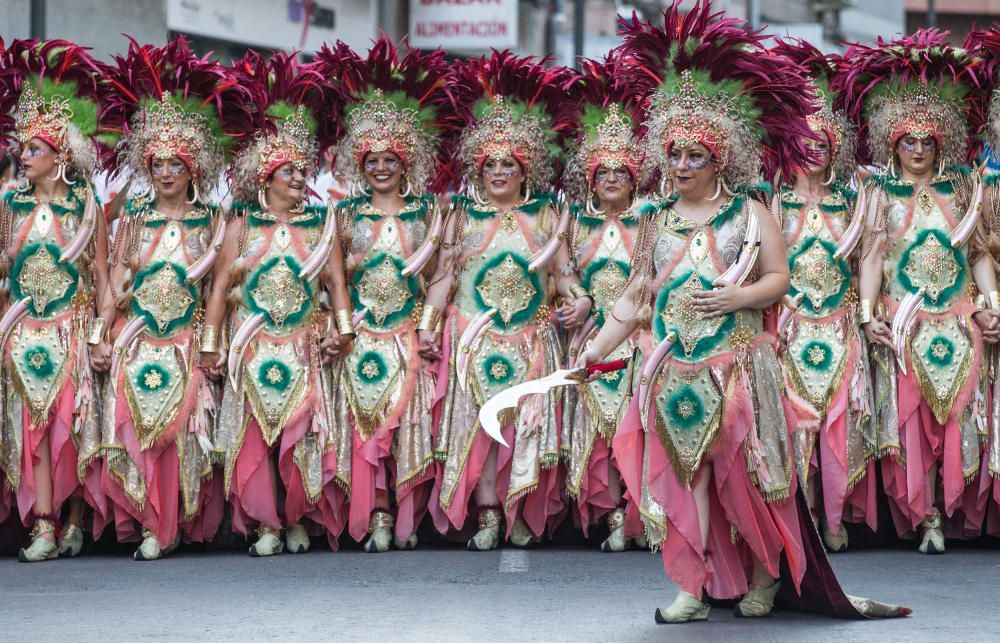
574, 312
989, 322
429, 345
878, 332
213, 364
100, 356
334, 347
726, 298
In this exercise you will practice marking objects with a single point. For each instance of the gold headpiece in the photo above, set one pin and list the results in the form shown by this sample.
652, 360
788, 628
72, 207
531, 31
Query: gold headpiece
45, 120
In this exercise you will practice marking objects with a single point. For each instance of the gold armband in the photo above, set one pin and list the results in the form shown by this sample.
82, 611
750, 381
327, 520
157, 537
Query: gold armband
994, 299
429, 318
96, 331
578, 291
345, 323
865, 312
210, 339
980, 302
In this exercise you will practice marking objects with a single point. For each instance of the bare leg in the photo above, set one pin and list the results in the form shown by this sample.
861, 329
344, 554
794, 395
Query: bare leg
932, 539
614, 483
485, 495
700, 490
760, 575
486, 489
688, 607
75, 516
43, 484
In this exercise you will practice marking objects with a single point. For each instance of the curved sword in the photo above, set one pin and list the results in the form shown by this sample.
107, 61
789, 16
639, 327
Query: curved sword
489, 413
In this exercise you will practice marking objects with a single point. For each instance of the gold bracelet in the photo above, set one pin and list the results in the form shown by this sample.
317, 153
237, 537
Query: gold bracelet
429, 318
980, 303
578, 291
96, 331
994, 298
345, 323
865, 312
210, 339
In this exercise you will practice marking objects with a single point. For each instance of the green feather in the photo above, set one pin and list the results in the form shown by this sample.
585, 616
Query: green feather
84, 109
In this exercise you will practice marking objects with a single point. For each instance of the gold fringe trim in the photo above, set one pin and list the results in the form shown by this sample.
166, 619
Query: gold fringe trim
942, 408
366, 423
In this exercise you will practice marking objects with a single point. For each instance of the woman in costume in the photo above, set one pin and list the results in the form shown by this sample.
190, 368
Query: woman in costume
499, 257
390, 228
159, 405
281, 260
704, 448
603, 178
823, 353
56, 264
985, 120
923, 263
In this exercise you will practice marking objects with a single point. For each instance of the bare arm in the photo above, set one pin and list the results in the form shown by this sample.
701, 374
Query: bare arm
771, 285
870, 272
215, 300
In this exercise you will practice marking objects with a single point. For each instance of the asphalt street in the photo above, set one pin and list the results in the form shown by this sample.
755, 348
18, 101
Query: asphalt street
435, 594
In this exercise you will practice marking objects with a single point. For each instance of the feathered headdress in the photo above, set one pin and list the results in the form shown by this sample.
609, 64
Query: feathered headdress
55, 89
508, 104
984, 112
167, 102
915, 85
395, 105
291, 100
833, 124
605, 127
710, 80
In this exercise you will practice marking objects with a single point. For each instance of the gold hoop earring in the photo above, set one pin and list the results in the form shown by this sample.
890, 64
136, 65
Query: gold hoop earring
196, 197
299, 208
592, 209
892, 165
718, 188
63, 170
941, 166
833, 177
262, 198
409, 189
476, 196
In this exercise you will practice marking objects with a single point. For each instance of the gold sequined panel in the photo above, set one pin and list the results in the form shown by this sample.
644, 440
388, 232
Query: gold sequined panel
932, 266
162, 296
382, 290
279, 293
815, 360
678, 312
507, 288
155, 382
689, 413
815, 275
941, 354
39, 355
43, 279
276, 385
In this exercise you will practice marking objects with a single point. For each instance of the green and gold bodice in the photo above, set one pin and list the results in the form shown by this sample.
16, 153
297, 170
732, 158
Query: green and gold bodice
40, 232
378, 247
274, 252
687, 257
167, 247
918, 221
496, 249
603, 253
811, 231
